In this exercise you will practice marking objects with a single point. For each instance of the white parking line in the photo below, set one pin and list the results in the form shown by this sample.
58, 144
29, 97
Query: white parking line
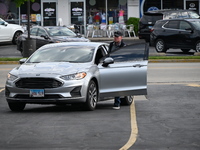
134, 128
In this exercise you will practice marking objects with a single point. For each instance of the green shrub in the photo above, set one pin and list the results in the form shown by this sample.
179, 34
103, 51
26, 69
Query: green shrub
135, 22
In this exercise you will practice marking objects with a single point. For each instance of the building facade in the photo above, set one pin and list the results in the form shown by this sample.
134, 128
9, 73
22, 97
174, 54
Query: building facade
82, 12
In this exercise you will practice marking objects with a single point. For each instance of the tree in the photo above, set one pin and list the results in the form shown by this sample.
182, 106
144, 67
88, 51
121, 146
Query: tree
20, 2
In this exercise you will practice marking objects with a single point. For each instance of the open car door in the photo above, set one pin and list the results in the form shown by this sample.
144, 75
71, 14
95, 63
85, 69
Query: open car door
124, 72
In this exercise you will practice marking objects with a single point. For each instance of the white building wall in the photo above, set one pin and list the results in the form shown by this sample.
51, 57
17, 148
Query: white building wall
64, 11
133, 8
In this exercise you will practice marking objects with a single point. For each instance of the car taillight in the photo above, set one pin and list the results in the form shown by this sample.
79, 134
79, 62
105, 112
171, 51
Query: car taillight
152, 29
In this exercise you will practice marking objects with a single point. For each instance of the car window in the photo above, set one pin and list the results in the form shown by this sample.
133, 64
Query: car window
184, 25
193, 14
75, 54
41, 32
172, 24
60, 31
151, 18
33, 31
134, 52
170, 15
183, 15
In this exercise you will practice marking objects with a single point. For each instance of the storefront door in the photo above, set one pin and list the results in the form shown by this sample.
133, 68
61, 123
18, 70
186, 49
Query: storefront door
77, 15
49, 10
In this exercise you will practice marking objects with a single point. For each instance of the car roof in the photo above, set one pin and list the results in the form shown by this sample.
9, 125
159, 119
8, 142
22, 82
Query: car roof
94, 44
49, 27
187, 19
165, 11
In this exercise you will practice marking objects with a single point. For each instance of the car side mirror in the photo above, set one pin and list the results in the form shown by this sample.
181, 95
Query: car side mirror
21, 61
78, 35
107, 61
189, 29
5, 24
44, 36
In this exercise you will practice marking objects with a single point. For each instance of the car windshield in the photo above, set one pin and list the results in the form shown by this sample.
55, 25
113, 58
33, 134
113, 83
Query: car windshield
196, 24
73, 54
1, 21
60, 31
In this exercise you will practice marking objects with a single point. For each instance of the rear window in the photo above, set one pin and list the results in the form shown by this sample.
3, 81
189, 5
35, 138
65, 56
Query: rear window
151, 19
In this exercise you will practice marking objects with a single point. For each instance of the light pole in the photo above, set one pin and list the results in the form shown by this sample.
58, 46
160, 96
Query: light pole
29, 45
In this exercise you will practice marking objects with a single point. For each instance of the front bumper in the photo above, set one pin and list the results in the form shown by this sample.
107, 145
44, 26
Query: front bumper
66, 95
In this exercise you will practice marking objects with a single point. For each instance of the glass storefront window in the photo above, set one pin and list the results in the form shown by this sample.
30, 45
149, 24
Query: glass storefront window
9, 12
35, 13
96, 11
169, 4
162, 4
117, 12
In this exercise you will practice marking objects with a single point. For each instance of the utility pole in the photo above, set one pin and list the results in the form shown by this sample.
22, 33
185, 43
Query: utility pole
29, 45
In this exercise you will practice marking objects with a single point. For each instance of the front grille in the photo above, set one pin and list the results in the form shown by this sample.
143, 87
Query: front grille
38, 83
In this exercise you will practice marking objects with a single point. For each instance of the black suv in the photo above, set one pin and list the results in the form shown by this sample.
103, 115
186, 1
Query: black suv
149, 18
183, 34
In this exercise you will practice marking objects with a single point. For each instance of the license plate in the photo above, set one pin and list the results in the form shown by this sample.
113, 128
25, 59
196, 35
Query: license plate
37, 93
150, 27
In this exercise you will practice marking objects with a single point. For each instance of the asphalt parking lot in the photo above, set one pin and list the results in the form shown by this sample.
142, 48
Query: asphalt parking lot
168, 119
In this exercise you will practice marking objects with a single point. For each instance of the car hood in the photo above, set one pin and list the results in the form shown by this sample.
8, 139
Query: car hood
53, 68
70, 39
15, 26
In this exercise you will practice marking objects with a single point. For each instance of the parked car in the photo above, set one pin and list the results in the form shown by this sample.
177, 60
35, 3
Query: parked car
78, 72
9, 32
49, 34
183, 34
149, 18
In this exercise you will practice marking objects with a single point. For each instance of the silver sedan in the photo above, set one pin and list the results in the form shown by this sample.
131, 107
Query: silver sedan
78, 72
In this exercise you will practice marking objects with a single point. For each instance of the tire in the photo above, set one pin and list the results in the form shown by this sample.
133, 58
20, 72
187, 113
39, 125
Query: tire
160, 46
185, 50
127, 100
92, 96
197, 46
17, 106
16, 35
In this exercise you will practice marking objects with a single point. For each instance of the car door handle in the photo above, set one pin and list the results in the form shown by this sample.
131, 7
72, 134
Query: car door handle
137, 66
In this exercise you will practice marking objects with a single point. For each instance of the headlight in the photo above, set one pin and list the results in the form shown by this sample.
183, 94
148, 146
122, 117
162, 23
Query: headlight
11, 77
76, 76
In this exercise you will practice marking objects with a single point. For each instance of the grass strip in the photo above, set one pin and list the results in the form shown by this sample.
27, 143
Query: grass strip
150, 57
174, 57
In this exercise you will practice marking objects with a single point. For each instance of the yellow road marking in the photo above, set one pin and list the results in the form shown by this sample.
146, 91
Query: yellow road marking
6, 68
2, 89
194, 85
134, 128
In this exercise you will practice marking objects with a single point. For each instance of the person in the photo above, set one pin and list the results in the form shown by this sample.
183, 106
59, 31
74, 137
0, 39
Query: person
9, 16
117, 43
90, 19
121, 16
97, 18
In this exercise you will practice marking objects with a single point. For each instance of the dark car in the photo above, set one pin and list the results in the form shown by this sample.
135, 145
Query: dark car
49, 34
149, 19
183, 34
